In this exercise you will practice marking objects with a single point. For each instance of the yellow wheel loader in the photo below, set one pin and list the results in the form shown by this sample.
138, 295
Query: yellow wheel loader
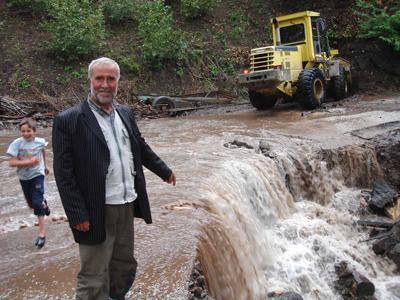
300, 66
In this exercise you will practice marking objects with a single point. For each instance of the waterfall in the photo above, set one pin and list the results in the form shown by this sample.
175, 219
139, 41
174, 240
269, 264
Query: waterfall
283, 220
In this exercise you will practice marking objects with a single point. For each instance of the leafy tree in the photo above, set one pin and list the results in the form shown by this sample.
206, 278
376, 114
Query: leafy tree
118, 11
28, 6
76, 26
195, 8
160, 40
380, 21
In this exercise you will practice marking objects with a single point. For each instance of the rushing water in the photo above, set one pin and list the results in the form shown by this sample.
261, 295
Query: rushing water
259, 222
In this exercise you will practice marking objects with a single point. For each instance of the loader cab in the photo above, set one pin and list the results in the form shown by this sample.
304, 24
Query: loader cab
304, 30
320, 37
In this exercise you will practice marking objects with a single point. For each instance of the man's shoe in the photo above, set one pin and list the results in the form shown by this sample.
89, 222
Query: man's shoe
46, 209
40, 241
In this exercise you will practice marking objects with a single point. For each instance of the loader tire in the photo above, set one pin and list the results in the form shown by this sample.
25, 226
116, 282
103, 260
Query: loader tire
311, 88
260, 101
340, 88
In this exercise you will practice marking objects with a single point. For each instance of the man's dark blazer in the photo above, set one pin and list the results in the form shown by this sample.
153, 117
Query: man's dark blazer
81, 159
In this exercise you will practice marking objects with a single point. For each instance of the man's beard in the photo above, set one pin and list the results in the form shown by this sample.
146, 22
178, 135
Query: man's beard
101, 99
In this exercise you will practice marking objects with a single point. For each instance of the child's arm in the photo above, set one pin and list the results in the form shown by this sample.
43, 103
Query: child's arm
46, 169
15, 162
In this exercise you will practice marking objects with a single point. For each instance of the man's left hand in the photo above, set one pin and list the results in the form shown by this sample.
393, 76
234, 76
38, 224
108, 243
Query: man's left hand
172, 179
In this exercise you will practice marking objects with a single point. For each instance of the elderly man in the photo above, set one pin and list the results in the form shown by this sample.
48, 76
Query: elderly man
99, 156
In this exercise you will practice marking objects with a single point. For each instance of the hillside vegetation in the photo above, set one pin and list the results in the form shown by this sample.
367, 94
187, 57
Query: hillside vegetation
164, 47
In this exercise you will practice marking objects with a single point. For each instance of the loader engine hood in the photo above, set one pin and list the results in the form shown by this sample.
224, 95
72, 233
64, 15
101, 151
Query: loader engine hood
270, 57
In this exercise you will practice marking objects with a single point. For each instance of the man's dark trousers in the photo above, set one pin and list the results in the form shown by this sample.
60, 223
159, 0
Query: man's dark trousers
108, 269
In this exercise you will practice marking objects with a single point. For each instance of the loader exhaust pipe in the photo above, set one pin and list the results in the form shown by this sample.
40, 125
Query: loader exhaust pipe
277, 32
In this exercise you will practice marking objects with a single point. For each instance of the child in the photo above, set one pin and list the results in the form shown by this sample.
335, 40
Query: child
29, 157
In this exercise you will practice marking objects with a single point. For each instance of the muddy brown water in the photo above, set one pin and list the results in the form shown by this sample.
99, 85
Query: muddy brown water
257, 223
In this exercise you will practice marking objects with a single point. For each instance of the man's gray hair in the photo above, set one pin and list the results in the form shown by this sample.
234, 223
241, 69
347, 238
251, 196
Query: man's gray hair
103, 61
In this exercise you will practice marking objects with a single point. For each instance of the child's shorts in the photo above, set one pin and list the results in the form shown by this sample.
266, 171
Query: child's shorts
33, 190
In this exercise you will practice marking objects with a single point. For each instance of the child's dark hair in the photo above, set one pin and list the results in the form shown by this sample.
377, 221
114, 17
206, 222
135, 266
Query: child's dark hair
28, 121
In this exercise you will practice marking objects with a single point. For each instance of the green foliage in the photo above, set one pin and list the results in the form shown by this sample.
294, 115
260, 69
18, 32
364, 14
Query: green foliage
24, 83
268, 33
337, 30
40, 82
160, 40
77, 28
129, 63
239, 23
192, 9
380, 21
78, 74
31, 6
221, 64
119, 11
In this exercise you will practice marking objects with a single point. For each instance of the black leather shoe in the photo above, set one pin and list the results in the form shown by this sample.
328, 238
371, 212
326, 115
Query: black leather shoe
40, 242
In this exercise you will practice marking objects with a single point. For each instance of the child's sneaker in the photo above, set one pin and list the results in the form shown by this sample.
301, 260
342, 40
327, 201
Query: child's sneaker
46, 208
40, 241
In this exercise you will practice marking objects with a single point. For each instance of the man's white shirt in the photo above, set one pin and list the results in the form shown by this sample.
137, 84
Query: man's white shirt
120, 180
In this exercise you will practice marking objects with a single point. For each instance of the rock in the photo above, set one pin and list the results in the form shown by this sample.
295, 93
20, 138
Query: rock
265, 146
351, 284
238, 144
393, 212
197, 285
394, 254
382, 196
266, 149
383, 245
285, 296
201, 280
23, 225
375, 232
387, 151
197, 291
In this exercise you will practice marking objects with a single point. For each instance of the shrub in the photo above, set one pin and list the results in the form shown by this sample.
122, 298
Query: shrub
160, 40
30, 6
380, 21
118, 12
239, 23
129, 63
77, 28
195, 8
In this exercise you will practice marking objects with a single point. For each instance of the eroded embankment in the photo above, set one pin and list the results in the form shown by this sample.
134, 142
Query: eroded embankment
286, 212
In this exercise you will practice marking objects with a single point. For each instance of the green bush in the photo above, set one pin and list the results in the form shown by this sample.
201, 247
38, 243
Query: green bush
239, 23
129, 63
118, 12
380, 21
195, 8
160, 40
76, 26
31, 6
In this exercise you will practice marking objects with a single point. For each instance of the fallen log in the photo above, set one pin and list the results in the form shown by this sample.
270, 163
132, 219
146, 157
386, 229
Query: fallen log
378, 224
